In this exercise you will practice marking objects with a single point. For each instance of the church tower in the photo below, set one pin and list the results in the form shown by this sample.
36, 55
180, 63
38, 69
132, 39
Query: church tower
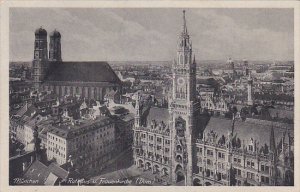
137, 118
183, 108
40, 60
250, 85
55, 46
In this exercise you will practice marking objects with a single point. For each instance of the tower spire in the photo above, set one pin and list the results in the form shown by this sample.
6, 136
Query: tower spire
184, 30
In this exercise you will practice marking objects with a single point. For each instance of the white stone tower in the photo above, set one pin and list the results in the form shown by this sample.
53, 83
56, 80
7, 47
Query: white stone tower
183, 107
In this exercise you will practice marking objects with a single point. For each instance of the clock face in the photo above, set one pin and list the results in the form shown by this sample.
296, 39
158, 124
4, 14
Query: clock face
180, 81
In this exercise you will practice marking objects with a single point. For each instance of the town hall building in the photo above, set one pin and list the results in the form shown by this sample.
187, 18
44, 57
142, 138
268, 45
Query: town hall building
181, 146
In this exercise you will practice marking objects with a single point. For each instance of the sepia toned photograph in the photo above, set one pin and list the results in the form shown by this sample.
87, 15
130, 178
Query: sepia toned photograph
151, 96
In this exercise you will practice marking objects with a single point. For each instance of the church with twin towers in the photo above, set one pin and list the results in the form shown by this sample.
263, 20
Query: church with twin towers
88, 79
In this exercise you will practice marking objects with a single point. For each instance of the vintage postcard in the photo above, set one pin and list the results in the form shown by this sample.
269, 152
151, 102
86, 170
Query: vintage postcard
96, 95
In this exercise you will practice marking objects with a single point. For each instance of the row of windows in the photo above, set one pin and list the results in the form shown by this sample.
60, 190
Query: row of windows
57, 146
57, 139
158, 139
55, 151
99, 132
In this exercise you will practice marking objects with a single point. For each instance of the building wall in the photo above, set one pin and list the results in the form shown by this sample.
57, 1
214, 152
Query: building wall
56, 148
96, 92
152, 151
214, 164
88, 149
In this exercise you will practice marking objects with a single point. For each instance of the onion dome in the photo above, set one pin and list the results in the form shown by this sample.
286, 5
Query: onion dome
40, 32
55, 34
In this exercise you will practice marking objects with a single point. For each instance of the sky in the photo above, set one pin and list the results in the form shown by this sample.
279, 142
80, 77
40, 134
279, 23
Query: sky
151, 34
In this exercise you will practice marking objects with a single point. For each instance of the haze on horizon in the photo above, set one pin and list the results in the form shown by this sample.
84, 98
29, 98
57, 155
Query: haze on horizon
151, 34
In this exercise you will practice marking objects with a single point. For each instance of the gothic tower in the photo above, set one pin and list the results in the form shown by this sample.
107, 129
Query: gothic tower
183, 108
250, 84
55, 46
40, 60
137, 118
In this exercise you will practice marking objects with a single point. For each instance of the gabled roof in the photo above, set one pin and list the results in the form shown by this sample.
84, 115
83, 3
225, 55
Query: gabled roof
58, 171
37, 172
244, 130
82, 72
51, 179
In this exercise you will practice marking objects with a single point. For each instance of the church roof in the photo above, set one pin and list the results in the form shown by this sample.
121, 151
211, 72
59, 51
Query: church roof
82, 72
159, 115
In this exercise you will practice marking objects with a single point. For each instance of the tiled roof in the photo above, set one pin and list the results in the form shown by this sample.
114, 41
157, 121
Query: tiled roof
51, 179
82, 72
158, 114
244, 130
58, 171
69, 130
37, 172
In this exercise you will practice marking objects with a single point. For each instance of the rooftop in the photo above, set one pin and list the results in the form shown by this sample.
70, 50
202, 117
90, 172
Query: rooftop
83, 72
69, 130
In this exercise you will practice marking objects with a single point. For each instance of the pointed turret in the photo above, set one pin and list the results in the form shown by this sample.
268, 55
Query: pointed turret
272, 141
194, 60
184, 28
137, 111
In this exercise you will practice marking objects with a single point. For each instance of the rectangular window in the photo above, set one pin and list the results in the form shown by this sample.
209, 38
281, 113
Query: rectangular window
210, 152
248, 163
262, 167
158, 139
221, 155
267, 168
209, 162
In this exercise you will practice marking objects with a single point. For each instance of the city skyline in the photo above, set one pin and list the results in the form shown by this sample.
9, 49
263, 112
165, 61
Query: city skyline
217, 33
92, 123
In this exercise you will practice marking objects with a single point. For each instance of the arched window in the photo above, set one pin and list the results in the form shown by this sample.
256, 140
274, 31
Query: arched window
77, 90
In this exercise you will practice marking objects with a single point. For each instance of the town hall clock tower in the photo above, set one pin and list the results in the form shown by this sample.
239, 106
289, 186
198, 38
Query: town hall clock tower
183, 110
